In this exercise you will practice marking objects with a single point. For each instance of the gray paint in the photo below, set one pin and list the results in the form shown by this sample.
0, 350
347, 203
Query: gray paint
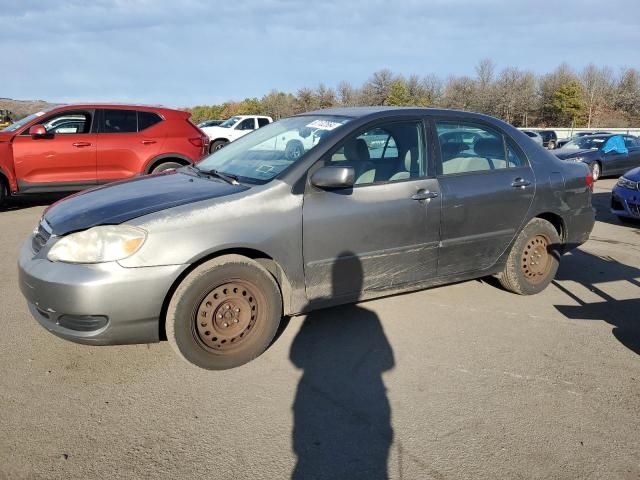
403, 243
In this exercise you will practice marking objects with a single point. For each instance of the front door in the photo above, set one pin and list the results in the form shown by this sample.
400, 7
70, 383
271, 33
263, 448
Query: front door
487, 188
63, 159
384, 231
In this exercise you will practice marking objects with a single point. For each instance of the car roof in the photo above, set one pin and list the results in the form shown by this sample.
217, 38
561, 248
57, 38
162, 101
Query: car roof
130, 106
380, 111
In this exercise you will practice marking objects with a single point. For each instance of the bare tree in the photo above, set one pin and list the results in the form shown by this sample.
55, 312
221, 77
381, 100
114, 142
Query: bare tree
459, 92
347, 95
597, 84
485, 97
376, 89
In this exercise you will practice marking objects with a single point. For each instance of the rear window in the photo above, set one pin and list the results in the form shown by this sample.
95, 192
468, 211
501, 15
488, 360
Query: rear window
147, 119
262, 122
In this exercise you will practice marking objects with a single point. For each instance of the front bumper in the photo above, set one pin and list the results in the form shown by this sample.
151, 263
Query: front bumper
102, 304
625, 202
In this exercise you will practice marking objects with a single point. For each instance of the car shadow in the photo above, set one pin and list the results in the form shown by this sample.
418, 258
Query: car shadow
591, 273
32, 200
342, 417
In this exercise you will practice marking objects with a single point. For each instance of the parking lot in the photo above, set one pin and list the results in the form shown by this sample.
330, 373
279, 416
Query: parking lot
468, 381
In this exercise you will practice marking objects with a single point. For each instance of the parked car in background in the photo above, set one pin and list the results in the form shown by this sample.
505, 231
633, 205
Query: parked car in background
625, 196
549, 138
605, 154
214, 255
210, 123
72, 147
535, 136
234, 128
564, 141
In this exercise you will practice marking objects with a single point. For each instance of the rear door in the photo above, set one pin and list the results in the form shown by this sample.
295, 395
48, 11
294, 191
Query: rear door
127, 141
487, 187
383, 232
64, 159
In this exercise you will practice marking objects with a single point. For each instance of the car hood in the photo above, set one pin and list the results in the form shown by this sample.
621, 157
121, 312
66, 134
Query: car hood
122, 201
563, 154
215, 131
633, 175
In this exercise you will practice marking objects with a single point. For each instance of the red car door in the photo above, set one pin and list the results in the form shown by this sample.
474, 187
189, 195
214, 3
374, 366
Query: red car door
64, 158
123, 151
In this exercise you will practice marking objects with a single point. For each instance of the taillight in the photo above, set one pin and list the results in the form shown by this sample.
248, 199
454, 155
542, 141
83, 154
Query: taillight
589, 181
197, 141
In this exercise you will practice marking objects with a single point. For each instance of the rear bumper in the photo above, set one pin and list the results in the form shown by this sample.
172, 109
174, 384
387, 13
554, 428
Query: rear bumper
580, 227
104, 304
625, 202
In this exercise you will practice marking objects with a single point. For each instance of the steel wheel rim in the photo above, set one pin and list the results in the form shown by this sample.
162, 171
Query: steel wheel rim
536, 260
596, 171
226, 316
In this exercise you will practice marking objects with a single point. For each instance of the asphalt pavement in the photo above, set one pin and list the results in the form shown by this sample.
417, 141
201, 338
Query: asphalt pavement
462, 381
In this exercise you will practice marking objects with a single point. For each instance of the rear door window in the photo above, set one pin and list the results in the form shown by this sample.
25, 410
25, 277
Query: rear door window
119, 121
262, 122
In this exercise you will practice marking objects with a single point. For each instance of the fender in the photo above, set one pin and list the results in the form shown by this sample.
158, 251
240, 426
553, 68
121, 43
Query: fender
8, 174
156, 159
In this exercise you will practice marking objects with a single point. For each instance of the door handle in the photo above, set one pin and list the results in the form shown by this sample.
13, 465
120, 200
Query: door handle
81, 144
520, 183
148, 142
424, 195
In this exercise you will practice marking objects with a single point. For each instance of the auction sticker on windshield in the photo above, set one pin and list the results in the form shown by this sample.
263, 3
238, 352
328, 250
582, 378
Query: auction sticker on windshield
324, 124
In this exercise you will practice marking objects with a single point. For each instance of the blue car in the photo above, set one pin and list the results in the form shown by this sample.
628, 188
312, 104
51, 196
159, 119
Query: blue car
625, 197
604, 154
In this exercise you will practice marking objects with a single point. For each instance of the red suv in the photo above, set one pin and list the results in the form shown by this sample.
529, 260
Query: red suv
72, 147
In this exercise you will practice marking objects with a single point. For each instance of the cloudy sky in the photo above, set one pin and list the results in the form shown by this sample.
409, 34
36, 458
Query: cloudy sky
186, 52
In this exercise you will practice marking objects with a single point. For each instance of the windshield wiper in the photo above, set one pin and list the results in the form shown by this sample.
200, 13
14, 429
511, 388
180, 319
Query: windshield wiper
227, 177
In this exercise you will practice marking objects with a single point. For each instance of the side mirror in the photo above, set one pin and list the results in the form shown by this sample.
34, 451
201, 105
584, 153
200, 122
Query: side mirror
334, 177
37, 131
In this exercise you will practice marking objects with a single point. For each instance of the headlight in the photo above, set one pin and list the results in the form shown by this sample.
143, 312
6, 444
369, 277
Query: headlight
575, 159
106, 243
630, 184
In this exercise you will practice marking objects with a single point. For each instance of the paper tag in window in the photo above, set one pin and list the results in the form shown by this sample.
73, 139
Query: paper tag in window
323, 125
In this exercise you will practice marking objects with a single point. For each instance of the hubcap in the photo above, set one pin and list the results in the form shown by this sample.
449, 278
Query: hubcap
536, 260
596, 171
226, 316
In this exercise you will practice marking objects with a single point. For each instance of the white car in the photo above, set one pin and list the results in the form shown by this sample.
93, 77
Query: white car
535, 136
233, 128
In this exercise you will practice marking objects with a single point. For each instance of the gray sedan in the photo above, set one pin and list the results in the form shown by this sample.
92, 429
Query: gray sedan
212, 257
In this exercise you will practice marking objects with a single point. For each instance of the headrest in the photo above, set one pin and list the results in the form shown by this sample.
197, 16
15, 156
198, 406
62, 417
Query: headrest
451, 149
356, 150
489, 148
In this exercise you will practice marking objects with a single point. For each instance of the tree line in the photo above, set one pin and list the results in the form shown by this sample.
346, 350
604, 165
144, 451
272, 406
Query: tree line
592, 97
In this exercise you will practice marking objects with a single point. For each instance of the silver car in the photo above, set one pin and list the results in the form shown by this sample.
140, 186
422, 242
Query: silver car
535, 136
382, 200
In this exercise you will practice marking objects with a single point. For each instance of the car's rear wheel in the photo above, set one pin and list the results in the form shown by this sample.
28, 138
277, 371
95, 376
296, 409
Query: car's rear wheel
4, 191
171, 165
217, 145
596, 170
224, 313
533, 260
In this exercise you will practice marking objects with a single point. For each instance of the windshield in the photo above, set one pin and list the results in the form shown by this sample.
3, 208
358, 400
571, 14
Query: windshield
261, 155
585, 143
230, 122
20, 123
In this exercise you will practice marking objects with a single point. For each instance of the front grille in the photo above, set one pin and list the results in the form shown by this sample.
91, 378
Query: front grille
41, 236
634, 208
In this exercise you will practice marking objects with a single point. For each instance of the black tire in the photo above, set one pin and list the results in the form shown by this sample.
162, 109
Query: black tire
529, 270
202, 326
4, 191
596, 170
551, 145
294, 150
168, 165
217, 145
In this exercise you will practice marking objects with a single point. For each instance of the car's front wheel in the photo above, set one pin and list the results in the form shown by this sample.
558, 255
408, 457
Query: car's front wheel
551, 145
224, 313
166, 166
533, 260
4, 191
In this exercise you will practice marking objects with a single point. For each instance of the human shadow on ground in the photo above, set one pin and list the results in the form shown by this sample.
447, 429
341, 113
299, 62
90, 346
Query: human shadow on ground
32, 200
342, 417
592, 272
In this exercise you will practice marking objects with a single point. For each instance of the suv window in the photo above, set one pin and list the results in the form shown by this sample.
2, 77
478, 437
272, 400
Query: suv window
387, 153
483, 150
247, 124
262, 122
147, 119
120, 121
66, 123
